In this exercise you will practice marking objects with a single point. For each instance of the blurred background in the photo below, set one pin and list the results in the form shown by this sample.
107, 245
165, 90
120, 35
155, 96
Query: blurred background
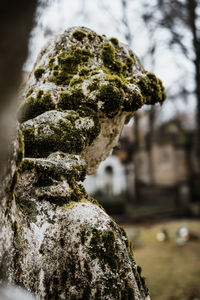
151, 182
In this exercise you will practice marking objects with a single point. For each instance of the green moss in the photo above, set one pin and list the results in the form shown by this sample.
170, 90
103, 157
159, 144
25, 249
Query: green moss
94, 85
103, 247
68, 65
76, 99
111, 97
117, 66
94, 201
79, 35
30, 91
125, 70
94, 72
108, 56
152, 89
69, 101
77, 172
76, 80
115, 41
126, 240
38, 73
84, 71
133, 101
163, 92
51, 63
78, 191
129, 63
26, 165
101, 38
116, 80
65, 138
32, 107
69, 205
90, 36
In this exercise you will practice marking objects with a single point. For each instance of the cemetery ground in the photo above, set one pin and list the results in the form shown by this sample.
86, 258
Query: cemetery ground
172, 271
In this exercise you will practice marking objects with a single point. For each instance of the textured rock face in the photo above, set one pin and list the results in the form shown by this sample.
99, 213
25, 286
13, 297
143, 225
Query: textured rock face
80, 93
98, 82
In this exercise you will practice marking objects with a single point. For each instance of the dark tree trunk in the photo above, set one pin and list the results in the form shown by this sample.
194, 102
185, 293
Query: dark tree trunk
152, 115
16, 21
192, 7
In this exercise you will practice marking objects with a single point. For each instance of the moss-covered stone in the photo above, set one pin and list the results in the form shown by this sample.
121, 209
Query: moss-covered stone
68, 65
112, 97
129, 63
133, 101
71, 101
26, 165
108, 56
103, 247
79, 35
94, 85
90, 36
65, 137
115, 41
51, 63
32, 107
38, 73
84, 71
151, 88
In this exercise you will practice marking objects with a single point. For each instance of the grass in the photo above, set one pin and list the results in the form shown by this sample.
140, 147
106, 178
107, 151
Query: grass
172, 272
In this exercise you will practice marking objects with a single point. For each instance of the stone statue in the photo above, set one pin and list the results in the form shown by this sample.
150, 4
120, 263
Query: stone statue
82, 90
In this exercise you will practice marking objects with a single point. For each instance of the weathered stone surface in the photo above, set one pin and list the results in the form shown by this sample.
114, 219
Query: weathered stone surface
62, 243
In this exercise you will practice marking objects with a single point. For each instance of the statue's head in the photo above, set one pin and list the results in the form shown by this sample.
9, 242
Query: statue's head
80, 93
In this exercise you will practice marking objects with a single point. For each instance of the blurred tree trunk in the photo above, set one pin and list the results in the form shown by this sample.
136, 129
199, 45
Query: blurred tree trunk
192, 9
135, 158
185, 14
152, 118
16, 21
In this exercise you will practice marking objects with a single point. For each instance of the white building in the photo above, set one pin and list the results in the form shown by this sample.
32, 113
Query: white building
109, 179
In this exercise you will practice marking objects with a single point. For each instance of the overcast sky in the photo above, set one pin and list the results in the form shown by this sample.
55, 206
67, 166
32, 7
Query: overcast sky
104, 17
